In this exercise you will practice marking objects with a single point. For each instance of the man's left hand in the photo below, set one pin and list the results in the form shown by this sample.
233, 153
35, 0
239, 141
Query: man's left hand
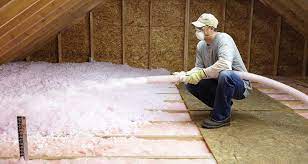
194, 77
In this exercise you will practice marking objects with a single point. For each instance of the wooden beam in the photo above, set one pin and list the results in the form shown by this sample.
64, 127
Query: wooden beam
198, 157
122, 31
28, 58
11, 40
59, 40
24, 28
186, 33
277, 44
224, 6
157, 137
149, 42
305, 62
51, 27
22, 16
91, 36
13, 9
250, 34
295, 15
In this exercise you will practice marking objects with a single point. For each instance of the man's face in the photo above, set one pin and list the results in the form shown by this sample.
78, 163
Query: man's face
207, 31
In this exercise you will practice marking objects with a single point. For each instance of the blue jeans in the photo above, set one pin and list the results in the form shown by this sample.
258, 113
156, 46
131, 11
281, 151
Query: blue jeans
217, 93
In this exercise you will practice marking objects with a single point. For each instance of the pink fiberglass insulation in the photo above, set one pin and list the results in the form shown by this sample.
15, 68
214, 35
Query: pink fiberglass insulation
74, 100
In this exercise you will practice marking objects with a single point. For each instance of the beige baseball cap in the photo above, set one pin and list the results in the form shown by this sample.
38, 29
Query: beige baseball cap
206, 19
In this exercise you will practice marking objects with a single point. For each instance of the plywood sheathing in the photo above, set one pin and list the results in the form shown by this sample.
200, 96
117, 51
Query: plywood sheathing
75, 41
107, 31
47, 53
167, 34
291, 52
263, 40
136, 30
198, 7
237, 24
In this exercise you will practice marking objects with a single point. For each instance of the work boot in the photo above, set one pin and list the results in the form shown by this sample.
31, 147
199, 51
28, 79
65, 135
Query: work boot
212, 124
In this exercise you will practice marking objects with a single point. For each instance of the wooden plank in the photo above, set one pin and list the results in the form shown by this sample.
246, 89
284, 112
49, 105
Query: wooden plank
13, 8
59, 39
91, 37
128, 160
305, 62
294, 104
281, 96
174, 101
172, 117
168, 110
38, 31
57, 25
186, 33
270, 91
21, 17
277, 44
301, 111
122, 31
110, 147
250, 34
11, 41
208, 156
156, 137
35, 19
156, 128
303, 114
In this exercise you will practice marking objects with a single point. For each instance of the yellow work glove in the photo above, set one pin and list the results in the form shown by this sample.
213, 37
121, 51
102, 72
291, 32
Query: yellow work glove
195, 77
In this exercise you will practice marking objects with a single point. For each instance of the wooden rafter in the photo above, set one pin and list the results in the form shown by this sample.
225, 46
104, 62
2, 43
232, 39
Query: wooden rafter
293, 11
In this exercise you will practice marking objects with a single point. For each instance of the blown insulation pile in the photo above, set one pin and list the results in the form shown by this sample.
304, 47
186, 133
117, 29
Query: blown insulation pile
71, 101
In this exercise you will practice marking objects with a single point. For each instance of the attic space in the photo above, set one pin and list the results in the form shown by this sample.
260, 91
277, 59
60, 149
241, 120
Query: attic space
153, 81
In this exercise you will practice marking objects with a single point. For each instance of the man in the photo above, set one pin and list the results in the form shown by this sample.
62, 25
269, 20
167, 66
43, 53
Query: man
214, 80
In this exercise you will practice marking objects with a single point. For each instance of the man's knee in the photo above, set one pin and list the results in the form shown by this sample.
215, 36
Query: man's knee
224, 75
